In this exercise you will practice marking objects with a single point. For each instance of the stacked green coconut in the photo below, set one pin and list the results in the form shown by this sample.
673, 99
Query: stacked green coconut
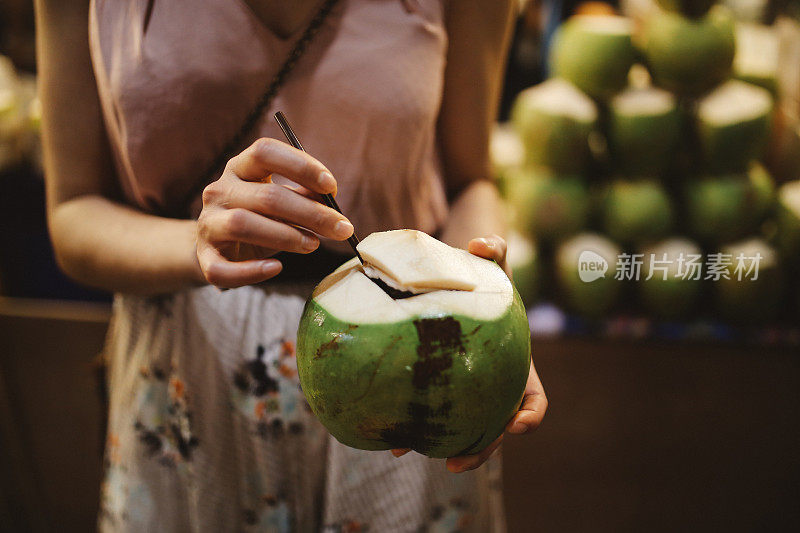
20, 115
666, 164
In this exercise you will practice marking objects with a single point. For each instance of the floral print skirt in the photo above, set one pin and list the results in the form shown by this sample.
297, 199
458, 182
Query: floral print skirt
209, 431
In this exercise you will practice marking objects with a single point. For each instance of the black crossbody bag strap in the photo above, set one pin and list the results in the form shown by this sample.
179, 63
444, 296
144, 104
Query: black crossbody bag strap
234, 145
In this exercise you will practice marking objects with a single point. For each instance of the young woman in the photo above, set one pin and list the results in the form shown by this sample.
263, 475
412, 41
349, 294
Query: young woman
208, 430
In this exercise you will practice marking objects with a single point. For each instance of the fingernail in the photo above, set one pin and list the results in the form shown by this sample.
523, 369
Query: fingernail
519, 427
343, 228
326, 181
270, 267
310, 243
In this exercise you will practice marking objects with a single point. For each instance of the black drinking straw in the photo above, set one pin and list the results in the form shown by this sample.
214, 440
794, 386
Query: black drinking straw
329, 199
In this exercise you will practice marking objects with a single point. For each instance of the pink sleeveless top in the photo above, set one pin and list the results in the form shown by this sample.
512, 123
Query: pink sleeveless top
176, 79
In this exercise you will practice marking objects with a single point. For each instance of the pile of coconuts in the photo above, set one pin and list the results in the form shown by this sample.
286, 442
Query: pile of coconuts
648, 138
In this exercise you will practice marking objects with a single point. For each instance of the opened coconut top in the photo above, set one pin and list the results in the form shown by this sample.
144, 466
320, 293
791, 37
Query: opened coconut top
505, 147
757, 50
643, 101
750, 249
559, 97
733, 102
604, 24
446, 281
671, 254
520, 250
569, 252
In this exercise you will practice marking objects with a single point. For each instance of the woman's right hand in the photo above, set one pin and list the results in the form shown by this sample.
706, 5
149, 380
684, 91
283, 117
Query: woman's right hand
243, 208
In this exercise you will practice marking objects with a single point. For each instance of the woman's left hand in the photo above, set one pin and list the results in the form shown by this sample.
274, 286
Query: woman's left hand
534, 401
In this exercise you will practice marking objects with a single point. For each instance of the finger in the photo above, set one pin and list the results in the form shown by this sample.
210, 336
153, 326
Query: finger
266, 156
493, 247
303, 191
399, 452
498, 244
277, 201
241, 225
471, 462
218, 193
229, 274
530, 415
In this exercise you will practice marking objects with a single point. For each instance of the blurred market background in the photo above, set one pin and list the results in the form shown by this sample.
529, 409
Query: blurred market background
660, 137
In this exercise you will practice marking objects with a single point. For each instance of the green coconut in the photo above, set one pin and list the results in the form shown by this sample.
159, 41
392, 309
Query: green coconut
547, 206
441, 372
595, 53
721, 209
733, 123
671, 278
525, 264
757, 56
636, 211
742, 294
788, 217
690, 8
11, 128
584, 268
643, 131
554, 120
690, 56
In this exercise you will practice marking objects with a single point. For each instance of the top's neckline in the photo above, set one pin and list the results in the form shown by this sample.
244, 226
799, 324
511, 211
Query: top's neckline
272, 32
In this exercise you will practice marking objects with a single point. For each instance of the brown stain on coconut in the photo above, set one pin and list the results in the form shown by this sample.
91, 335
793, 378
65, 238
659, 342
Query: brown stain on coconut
419, 433
440, 340
332, 346
328, 348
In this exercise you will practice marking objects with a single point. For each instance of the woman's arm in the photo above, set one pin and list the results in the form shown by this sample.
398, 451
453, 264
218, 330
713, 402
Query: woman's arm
479, 34
97, 241
101, 242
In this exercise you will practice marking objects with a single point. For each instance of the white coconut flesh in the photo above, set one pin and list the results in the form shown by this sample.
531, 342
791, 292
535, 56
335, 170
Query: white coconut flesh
446, 280
666, 255
789, 197
604, 24
560, 98
647, 101
749, 249
735, 102
757, 50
